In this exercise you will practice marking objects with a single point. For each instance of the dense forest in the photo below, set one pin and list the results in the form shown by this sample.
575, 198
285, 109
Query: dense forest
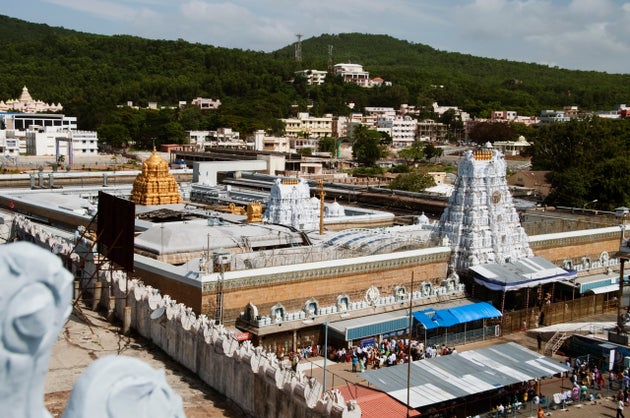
90, 75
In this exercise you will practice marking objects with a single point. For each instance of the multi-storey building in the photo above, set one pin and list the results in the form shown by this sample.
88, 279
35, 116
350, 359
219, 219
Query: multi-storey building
353, 73
402, 129
313, 77
52, 141
432, 131
308, 126
222, 137
22, 121
204, 103
503, 116
551, 116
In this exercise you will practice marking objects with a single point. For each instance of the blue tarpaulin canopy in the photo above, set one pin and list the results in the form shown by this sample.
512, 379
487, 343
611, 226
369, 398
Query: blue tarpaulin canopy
431, 319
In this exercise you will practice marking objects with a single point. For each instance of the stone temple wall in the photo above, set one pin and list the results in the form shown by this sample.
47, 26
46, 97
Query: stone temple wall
254, 379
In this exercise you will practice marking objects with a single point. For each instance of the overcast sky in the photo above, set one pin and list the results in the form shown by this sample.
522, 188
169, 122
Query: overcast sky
573, 34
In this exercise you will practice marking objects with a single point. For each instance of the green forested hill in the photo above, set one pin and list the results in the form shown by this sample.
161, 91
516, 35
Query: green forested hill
89, 74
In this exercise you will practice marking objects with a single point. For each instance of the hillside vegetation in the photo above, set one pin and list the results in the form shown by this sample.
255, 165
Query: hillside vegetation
91, 74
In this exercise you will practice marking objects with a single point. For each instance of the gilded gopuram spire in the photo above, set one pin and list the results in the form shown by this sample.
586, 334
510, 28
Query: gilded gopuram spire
155, 185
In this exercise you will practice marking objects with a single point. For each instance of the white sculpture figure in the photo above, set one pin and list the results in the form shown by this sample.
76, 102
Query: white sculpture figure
35, 301
123, 387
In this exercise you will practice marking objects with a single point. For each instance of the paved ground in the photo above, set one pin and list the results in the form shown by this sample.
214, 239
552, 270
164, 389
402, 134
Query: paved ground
79, 344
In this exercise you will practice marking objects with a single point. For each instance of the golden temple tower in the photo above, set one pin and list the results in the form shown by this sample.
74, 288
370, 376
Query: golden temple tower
155, 185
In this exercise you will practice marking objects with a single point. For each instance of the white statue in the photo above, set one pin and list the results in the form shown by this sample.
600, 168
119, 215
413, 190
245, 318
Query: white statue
35, 301
123, 387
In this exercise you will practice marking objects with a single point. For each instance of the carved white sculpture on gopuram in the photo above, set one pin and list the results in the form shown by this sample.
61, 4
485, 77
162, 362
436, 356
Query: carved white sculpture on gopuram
290, 204
480, 222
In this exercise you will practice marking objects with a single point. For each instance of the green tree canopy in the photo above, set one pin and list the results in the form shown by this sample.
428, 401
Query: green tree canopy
483, 132
412, 182
366, 145
588, 159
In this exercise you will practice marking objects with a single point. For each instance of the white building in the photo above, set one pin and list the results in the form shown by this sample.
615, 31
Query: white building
290, 204
206, 104
263, 142
402, 129
512, 147
10, 143
313, 77
221, 138
440, 110
353, 73
54, 142
551, 116
22, 121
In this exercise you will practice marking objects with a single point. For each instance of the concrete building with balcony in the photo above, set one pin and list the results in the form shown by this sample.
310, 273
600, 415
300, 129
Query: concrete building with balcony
307, 126
402, 129
353, 73
313, 77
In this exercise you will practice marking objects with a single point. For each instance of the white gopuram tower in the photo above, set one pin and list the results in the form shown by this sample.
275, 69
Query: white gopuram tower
480, 222
290, 204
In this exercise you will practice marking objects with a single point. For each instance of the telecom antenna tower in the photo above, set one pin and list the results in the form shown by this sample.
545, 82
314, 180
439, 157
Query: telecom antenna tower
298, 48
330, 59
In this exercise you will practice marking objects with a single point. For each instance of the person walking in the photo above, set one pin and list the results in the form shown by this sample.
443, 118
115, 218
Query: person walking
620, 409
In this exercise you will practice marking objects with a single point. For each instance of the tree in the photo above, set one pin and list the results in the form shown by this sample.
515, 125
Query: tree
431, 151
114, 135
588, 160
483, 132
412, 182
413, 153
366, 145
328, 144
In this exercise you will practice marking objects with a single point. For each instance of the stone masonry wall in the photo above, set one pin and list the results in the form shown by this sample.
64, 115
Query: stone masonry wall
254, 379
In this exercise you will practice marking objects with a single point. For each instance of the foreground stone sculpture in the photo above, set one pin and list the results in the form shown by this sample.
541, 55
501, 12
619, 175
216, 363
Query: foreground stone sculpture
123, 387
35, 302
35, 296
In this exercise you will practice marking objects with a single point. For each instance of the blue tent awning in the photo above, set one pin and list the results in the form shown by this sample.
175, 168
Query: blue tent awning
469, 313
426, 322
445, 318
431, 319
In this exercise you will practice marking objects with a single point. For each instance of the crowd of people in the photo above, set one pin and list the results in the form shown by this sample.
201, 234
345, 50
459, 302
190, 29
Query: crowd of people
389, 352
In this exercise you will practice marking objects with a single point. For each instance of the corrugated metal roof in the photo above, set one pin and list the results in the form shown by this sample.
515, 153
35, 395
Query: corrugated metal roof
368, 326
524, 272
458, 375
